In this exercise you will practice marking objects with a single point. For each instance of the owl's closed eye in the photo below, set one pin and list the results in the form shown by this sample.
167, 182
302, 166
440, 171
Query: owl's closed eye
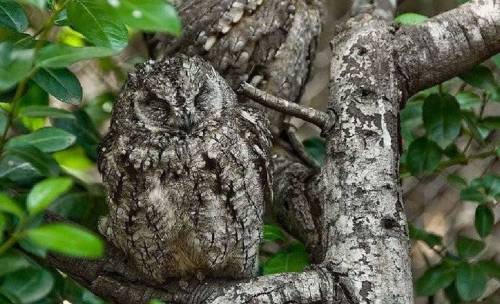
186, 170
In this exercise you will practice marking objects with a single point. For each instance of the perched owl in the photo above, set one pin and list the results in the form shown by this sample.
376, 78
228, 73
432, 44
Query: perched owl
186, 169
269, 43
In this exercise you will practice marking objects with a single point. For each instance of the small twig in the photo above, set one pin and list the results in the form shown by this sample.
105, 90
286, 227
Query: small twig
299, 148
318, 118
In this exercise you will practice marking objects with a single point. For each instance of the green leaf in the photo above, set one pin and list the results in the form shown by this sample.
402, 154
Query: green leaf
155, 301
3, 225
456, 180
12, 15
484, 220
10, 206
32, 248
35, 95
451, 294
472, 194
93, 19
292, 259
82, 207
273, 233
410, 19
47, 139
11, 262
42, 162
490, 183
423, 156
45, 192
73, 158
471, 281
60, 55
45, 111
147, 15
411, 118
430, 239
60, 83
29, 285
8, 298
82, 127
3, 121
492, 122
316, 148
434, 279
442, 118
491, 268
469, 248
67, 239
481, 77
15, 64
496, 59
468, 100
18, 171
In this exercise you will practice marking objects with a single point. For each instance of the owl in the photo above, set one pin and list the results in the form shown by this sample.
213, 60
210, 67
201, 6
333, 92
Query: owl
187, 173
269, 43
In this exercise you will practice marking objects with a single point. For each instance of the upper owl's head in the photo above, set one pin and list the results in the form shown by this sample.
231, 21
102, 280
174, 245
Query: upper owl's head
176, 94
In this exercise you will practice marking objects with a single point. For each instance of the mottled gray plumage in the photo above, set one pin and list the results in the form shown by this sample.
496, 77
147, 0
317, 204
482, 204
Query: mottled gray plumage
186, 168
269, 43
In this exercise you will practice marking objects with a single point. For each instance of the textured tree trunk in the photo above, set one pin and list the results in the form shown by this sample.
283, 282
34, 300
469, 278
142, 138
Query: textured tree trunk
350, 214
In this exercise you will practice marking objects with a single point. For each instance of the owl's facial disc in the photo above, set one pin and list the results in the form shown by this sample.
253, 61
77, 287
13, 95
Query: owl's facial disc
153, 111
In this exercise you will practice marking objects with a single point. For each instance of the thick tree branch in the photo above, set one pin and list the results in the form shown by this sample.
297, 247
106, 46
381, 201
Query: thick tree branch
448, 44
364, 225
112, 279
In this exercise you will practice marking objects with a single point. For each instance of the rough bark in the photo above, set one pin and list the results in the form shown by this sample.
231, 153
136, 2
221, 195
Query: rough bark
448, 45
364, 225
114, 279
270, 43
354, 204
295, 205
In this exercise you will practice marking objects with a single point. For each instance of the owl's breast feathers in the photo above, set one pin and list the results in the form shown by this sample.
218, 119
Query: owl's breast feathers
193, 202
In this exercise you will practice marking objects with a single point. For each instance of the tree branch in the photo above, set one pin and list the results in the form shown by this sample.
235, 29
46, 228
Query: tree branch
112, 279
364, 225
294, 205
448, 44
318, 118
270, 44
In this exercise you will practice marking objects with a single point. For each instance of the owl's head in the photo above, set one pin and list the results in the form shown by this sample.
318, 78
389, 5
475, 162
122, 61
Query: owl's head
176, 94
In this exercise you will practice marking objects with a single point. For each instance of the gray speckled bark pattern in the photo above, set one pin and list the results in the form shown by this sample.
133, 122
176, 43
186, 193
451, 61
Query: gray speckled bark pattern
448, 44
186, 169
364, 225
269, 43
